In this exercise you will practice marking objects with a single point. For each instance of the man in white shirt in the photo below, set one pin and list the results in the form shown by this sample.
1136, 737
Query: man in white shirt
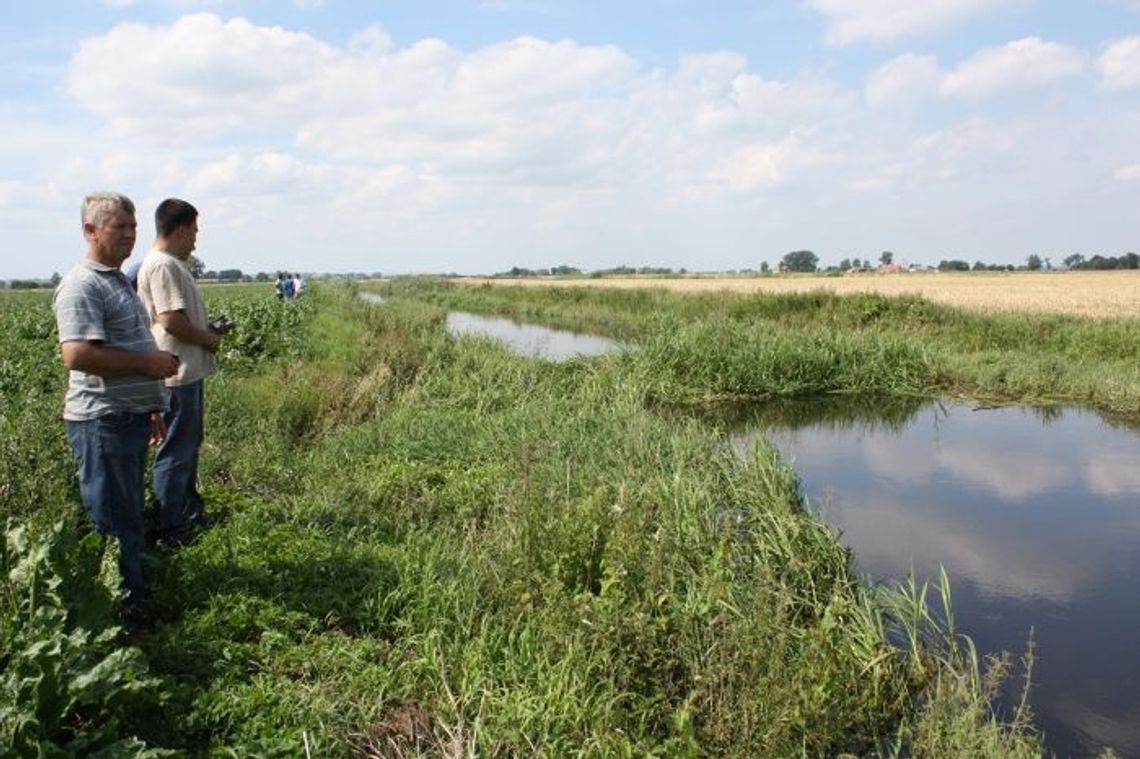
181, 326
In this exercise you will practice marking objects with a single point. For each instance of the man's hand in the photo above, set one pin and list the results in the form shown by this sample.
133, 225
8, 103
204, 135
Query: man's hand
159, 364
157, 428
179, 325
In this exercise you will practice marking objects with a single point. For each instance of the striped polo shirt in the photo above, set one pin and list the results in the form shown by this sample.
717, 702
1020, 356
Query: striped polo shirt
96, 303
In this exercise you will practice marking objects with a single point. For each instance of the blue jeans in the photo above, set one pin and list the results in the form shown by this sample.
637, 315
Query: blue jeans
176, 463
111, 453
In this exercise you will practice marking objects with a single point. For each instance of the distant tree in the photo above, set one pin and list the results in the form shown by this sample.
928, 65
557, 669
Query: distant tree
856, 263
1073, 261
845, 265
886, 258
763, 267
230, 275
55, 278
1033, 262
954, 265
619, 271
801, 260
980, 266
196, 266
262, 276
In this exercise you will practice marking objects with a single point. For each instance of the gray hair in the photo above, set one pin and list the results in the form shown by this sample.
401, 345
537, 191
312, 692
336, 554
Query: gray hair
98, 206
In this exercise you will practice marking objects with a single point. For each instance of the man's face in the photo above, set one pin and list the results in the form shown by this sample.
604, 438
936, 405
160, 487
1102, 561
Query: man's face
113, 241
185, 239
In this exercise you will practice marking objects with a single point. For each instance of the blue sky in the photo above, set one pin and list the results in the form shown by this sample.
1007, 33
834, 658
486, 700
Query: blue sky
472, 136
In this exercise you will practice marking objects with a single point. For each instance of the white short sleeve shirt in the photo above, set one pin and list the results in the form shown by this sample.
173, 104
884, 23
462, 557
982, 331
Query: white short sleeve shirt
165, 284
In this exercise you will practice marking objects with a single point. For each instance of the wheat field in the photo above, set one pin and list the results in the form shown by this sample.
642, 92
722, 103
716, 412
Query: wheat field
1092, 294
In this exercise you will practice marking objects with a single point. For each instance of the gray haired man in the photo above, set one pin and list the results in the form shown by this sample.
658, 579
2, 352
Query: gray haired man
115, 396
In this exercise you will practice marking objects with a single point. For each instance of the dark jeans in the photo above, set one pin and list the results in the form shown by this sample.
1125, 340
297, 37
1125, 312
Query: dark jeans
176, 463
111, 453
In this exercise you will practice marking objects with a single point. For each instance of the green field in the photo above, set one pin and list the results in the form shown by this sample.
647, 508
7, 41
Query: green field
430, 547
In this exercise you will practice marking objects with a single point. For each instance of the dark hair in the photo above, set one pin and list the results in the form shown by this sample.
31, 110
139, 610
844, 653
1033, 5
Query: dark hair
171, 214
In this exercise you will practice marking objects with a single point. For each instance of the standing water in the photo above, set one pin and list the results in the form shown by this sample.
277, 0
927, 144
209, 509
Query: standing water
1035, 515
531, 339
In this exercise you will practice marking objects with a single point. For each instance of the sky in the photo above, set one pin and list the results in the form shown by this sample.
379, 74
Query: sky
472, 136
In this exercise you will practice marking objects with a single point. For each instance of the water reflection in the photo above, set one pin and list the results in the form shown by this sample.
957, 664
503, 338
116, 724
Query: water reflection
531, 339
1034, 513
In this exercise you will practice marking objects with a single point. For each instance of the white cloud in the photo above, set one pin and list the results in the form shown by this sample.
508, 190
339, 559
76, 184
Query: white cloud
764, 165
526, 111
1129, 173
199, 77
1024, 64
880, 180
1021, 65
268, 173
10, 189
1120, 64
906, 79
370, 40
885, 20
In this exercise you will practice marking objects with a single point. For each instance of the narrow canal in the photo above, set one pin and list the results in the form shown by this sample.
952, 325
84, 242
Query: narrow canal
1034, 513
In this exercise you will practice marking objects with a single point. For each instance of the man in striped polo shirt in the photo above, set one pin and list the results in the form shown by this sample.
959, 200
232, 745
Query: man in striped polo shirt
115, 397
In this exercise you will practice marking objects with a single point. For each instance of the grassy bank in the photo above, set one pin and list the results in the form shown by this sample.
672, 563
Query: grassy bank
429, 547
708, 345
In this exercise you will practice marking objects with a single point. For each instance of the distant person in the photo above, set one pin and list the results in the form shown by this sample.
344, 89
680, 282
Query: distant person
280, 286
287, 287
181, 326
298, 285
132, 273
115, 397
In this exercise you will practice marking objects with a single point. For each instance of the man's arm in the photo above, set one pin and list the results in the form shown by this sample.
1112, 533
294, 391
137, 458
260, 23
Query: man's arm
179, 325
94, 358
